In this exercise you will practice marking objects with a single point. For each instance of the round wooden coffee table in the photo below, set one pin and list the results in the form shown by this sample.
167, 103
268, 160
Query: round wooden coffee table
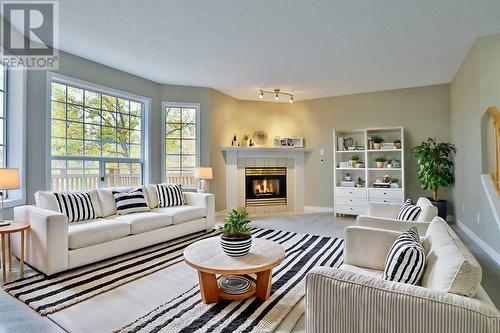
208, 258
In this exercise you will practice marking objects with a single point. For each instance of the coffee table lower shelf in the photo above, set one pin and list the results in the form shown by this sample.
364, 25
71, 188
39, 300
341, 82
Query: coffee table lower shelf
211, 293
231, 297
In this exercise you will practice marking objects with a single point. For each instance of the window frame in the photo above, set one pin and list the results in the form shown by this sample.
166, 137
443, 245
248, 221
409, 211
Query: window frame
164, 106
145, 128
5, 118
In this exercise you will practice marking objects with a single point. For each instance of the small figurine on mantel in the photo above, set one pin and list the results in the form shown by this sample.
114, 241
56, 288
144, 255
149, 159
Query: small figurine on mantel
251, 143
234, 143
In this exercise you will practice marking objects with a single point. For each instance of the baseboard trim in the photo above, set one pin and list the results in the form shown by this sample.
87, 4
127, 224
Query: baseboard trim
479, 242
318, 209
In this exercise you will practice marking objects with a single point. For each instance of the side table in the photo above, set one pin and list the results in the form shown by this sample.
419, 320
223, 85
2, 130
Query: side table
5, 234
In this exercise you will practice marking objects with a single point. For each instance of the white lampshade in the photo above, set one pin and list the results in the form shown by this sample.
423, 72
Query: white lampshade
9, 178
203, 173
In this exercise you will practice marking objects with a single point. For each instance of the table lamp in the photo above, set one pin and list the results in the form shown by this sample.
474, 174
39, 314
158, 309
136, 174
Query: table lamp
203, 174
9, 180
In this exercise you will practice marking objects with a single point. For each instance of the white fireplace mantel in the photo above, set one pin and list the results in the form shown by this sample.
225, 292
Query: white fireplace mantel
268, 154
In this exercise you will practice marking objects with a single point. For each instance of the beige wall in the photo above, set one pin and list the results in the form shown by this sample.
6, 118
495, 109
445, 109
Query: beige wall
423, 112
475, 86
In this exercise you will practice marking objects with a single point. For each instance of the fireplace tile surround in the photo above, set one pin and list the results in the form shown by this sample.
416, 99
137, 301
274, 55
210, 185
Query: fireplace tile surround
238, 159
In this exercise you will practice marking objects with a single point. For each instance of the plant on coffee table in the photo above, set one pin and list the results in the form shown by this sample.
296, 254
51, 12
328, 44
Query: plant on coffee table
236, 237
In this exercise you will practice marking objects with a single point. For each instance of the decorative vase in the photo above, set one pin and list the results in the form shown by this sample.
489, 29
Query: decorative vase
398, 145
380, 164
236, 247
376, 146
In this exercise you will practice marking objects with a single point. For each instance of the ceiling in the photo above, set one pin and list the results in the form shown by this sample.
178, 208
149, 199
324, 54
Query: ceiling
311, 48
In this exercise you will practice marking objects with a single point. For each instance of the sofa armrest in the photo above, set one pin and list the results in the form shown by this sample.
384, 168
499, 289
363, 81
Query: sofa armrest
385, 210
205, 200
343, 301
46, 241
391, 224
368, 247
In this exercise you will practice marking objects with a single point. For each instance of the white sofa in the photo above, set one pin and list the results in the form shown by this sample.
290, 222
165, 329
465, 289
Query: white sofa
382, 216
355, 299
54, 245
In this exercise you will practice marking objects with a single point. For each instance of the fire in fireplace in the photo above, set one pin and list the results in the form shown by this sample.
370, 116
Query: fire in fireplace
265, 186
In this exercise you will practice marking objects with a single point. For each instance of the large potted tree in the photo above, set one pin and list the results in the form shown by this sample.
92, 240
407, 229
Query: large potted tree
236, 237
435, 170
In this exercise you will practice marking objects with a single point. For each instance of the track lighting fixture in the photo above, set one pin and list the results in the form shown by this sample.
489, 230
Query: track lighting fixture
277, 93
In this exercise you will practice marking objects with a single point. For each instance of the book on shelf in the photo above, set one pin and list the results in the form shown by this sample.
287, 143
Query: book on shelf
381, 185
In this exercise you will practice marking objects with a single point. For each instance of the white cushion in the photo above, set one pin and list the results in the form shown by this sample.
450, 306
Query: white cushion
450, 265
143, 222
429, 211
362, 270
152, 195
47, 200
181, 214
107, 202
87, 233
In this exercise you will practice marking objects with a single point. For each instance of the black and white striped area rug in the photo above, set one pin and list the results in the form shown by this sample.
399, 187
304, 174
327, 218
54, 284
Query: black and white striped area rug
50, 294
187, 313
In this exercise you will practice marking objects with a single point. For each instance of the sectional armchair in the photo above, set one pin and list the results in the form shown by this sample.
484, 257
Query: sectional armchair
382, 216
53, 245
354, 298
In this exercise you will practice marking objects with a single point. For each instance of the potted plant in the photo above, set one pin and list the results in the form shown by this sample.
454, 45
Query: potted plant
396, 163
377, 141
394, 182
397, 143
389, 163
354, 159
380, 161
435, 169
236, 238
359, 182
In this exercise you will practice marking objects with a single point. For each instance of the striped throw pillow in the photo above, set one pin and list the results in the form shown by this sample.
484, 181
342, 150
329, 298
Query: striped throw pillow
408, 212
76, 206
406, 259
131, 202
170, 195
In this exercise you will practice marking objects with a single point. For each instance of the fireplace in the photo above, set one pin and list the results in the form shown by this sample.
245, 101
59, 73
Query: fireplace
265, 186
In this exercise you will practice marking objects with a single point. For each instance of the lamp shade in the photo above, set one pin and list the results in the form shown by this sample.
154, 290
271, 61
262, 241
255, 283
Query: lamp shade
9, 178
203, 173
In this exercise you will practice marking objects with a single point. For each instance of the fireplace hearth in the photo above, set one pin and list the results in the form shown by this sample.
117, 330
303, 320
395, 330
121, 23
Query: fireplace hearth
265, 186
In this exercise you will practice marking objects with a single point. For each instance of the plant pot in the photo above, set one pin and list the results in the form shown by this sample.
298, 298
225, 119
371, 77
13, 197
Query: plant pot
360, 165
389, 166
380, 164
376, 146
236, 247
398, 145
394, 185
442, 206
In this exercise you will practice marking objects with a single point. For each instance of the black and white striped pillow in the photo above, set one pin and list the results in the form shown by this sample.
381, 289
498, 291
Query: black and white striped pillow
406, 259
131, 202
76, 206
170, 195
408, 212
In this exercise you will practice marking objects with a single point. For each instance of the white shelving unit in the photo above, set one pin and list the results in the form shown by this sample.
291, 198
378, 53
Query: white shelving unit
353, 200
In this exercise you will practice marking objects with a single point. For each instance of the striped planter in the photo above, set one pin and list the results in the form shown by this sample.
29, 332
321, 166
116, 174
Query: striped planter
236, 247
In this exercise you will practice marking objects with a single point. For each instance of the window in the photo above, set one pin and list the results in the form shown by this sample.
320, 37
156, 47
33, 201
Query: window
96, 138
3, 116
181, 142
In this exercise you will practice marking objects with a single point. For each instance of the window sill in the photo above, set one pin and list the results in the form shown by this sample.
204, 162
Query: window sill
9, 203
